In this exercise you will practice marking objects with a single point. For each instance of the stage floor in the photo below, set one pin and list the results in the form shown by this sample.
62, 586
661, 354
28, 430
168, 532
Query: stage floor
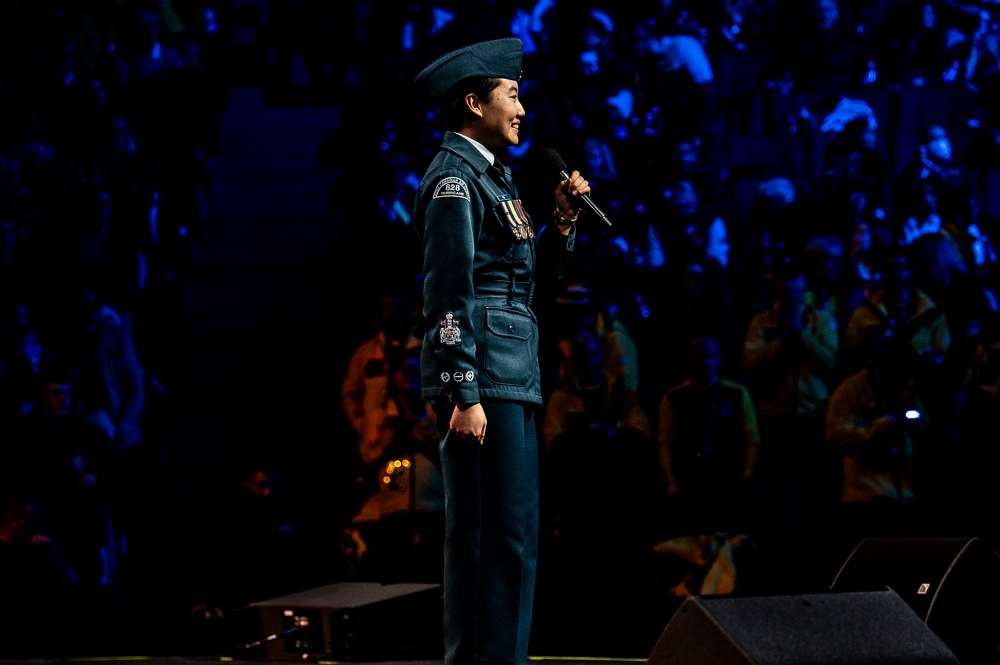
121, 660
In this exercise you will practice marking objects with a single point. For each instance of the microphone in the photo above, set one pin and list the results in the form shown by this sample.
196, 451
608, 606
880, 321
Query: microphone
551, 159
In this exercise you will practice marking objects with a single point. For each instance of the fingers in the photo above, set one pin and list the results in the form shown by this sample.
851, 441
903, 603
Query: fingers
577, 184
469, 424
472, 437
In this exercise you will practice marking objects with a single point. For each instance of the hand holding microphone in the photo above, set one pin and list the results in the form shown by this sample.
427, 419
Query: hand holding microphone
577, 190
567, 194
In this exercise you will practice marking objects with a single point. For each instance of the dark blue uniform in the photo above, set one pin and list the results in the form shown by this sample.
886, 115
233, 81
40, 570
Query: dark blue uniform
481, 345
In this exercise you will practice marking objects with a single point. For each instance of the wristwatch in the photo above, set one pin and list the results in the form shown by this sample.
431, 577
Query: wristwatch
559, 219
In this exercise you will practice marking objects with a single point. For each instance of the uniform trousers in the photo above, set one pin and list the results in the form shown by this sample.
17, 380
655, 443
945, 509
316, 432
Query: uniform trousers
491, 536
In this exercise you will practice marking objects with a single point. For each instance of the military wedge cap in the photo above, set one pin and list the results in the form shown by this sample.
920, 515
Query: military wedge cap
498, 58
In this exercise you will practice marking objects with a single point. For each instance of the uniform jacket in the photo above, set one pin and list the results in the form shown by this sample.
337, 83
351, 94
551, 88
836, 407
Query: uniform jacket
481, 336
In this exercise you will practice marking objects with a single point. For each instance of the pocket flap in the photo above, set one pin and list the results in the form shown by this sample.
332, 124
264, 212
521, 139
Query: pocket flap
508, 323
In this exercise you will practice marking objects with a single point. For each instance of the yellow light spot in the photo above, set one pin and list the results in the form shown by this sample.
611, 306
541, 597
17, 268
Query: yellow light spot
386, 480
406, 463
397, 464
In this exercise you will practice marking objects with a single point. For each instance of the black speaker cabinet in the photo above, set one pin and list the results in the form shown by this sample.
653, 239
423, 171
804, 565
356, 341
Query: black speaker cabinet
953, 584
358, 621
843, 628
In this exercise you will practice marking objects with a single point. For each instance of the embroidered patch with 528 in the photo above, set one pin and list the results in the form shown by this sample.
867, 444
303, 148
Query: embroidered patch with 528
452, 187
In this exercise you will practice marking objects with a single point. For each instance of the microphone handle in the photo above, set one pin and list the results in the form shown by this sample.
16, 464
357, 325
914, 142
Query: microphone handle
589, 203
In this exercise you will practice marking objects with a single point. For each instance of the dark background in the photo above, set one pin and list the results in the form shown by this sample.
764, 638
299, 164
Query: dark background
234, 181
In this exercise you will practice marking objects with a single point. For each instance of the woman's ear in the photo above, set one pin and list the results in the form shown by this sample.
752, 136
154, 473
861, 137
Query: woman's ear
473, 104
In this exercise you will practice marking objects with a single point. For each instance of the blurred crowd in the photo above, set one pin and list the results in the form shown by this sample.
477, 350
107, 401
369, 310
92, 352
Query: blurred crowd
789, 339
108, 111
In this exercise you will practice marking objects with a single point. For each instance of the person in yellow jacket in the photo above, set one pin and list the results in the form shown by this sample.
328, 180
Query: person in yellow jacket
591, 396
877, 420
708, 443
897, 308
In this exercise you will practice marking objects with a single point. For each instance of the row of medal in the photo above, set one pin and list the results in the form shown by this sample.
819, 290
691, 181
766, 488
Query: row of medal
517, 219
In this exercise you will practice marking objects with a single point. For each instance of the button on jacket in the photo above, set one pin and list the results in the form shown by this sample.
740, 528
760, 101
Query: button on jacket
481, 337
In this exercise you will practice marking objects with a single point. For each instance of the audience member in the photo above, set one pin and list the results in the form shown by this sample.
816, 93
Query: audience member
789, 350
35, 569
590, 397
875, 419
821, 50
112, 379
600, 501
975, 449
35, 580
709, 448
917, 190
789, 354
853, 160
694, 304
66, 465
578, 308
898, 309
365, 387
256, 535
397, 533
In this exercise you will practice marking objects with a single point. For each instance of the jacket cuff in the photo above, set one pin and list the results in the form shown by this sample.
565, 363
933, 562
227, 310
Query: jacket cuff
464, 395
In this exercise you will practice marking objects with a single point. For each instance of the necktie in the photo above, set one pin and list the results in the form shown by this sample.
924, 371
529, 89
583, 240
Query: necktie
503, 180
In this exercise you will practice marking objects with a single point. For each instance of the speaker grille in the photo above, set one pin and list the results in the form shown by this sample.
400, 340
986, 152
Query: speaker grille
870, 627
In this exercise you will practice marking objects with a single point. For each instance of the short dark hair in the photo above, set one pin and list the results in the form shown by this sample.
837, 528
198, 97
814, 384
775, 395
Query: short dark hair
481, 87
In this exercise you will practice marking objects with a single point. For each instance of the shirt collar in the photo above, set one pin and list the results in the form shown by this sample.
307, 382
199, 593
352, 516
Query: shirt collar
490, 157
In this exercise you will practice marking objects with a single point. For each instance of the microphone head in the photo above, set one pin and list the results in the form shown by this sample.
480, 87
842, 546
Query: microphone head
551, 161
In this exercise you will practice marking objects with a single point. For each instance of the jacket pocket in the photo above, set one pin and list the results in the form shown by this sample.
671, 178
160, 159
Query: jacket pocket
510, 347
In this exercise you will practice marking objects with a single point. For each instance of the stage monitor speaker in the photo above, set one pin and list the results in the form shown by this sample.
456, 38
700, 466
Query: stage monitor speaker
357, 621
953, 584
843, 628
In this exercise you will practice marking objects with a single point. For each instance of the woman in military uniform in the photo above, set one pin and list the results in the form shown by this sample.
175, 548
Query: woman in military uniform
479, 361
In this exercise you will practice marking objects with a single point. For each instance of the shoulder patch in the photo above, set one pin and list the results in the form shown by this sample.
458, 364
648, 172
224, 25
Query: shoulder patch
452, 187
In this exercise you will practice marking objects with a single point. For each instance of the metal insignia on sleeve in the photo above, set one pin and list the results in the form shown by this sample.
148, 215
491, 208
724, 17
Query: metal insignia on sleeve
450, 334
470, 375
452, 187
458, 377
445, 377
